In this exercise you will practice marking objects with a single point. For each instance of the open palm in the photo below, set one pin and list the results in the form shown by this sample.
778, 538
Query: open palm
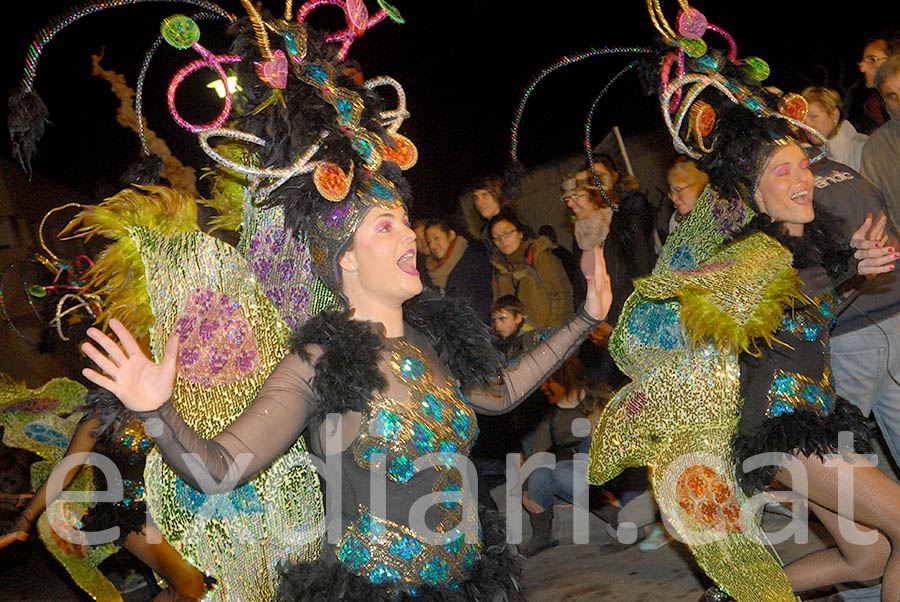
599, 290
128, 374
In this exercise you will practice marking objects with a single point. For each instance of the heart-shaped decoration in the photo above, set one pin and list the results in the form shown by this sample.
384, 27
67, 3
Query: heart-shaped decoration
273, 72
357, 16
404, 153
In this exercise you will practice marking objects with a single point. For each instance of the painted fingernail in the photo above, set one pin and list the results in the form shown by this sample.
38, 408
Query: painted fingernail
896, 255
890, 249
892, 267
877, 246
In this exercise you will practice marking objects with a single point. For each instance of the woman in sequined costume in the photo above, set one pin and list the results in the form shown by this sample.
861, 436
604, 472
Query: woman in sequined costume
712, 312
119, 436
394, 383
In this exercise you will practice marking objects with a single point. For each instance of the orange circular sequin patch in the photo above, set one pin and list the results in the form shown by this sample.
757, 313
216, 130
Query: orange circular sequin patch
404, 154
331, 181
706, 498
794, 106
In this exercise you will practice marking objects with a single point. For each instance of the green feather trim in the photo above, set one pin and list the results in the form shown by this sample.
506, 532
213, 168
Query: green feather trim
702, 319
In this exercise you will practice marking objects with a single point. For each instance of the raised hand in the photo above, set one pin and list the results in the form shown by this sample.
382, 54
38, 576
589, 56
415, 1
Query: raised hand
870, 242
599, 289
128, 374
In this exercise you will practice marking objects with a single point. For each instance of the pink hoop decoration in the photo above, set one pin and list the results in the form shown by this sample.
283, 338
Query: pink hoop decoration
353, 15
214, 62
732, 46
667, 70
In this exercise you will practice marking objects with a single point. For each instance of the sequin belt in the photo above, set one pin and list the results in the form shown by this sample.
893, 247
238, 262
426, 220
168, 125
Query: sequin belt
391, 554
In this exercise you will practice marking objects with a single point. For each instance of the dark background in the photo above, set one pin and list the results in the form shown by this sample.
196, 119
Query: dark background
463, 64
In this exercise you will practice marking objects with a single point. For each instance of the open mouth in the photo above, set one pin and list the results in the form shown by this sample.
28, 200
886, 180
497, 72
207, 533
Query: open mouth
801, 197
407, 263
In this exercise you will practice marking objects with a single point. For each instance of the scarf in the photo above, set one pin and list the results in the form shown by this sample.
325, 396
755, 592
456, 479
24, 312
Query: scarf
441, 271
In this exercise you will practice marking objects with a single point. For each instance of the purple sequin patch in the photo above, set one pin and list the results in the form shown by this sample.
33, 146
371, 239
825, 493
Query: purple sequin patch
217, 343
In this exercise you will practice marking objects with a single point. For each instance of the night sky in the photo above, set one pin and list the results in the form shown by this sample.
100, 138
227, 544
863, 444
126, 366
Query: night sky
463, 64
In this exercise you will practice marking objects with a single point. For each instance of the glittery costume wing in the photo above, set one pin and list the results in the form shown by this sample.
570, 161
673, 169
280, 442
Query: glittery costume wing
231, 337
33, 420
678, 338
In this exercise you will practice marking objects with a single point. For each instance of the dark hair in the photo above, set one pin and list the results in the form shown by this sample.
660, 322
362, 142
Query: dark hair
607, 161
439, 223
508, 216
891, 38
548, 231
491, 182
510, 302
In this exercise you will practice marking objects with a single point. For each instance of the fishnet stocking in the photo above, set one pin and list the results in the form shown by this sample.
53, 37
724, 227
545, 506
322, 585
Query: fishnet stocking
872, 500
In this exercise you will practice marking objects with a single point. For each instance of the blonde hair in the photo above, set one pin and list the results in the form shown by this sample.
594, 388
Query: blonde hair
828, 98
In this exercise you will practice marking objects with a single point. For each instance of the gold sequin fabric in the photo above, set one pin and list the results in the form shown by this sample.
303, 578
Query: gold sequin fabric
432, 419
682, 408
240, 537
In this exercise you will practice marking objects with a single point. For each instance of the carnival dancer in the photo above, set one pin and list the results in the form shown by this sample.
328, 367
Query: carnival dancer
380, 385
382, 378
728, 346
106, 428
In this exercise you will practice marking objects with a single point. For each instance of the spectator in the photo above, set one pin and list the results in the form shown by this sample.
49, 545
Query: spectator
502, 435
484, 200
869, 329
632, 217
845, 144
527, 268
881, 154
686, 184
569, 263
573, 397
515, 334
424, 259
867, 108
459, 270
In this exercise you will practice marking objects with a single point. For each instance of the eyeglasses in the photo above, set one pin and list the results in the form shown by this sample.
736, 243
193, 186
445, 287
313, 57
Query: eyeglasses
673, 192
871, 60
503, 235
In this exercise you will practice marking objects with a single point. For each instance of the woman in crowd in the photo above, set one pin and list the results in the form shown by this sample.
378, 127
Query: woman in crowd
845, 144
459, 270
527, 268
686, 183
632, 217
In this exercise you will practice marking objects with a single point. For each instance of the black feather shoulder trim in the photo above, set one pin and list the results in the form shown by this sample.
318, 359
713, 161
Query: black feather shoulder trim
347, 371
461, 339
802, 432
106, 407
495, 578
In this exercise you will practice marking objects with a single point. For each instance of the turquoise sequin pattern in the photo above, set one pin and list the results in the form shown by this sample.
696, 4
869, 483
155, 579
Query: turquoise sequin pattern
792, 391
388, 553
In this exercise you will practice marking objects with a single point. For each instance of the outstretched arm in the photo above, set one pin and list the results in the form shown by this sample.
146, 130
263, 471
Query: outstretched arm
533, 368
265, 430
82, 441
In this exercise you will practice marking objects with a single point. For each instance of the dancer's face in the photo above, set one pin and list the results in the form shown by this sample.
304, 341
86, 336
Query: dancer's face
785, 190
382, 258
